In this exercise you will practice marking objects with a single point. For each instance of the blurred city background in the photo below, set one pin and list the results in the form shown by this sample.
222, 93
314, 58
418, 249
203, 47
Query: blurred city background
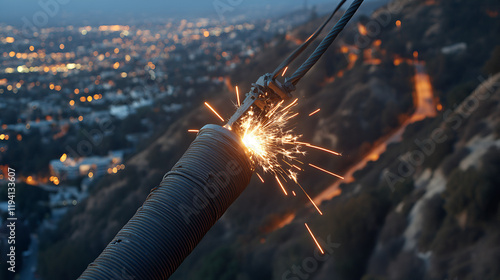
97, 97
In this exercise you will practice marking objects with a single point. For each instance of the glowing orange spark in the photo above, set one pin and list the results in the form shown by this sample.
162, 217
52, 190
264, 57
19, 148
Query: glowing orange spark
314, 238
281, 185
284, 71
310, 199
193, 130
299, 161
294, 194
312, 113
292, 116
215, 112
238, 96
296, 167
287, 163
319, 148
290, 105
326, 171
258, 175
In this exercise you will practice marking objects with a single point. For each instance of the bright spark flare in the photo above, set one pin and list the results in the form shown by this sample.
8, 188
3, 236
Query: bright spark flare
238, 96
266, 138
215, 112
314, 238
193, 130
326, 171
284, 71
314, 112
271, 144
319, 148
260, 177
290, 105
281, 185
310, 199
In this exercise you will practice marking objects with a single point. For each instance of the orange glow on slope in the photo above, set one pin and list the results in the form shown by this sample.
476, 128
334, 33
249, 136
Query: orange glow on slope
424, 100
352, 57
492, 14
288, 219
277, 222
367, 54
227, 82
291, 38
328, 80
362, 29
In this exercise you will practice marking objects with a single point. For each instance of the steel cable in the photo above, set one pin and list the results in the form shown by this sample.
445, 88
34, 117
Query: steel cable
323, 46
306, 44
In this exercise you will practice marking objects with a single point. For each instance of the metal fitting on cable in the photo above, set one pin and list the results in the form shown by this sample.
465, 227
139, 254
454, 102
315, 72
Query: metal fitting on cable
176, 215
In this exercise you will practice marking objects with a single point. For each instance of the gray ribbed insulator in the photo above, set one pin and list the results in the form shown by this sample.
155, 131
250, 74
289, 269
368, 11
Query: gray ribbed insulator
177, 214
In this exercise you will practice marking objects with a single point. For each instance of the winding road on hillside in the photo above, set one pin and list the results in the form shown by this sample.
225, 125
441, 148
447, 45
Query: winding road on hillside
425, 106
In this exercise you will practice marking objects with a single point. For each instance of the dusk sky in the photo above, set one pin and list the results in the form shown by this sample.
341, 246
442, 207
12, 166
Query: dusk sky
13, 11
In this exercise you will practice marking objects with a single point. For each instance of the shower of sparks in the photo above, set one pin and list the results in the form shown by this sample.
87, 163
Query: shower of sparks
238, 96
326, 171
284, 71
215, 112
314, 238
268, 139
260, 177
314, 112
274, 147
193, 130
273, 110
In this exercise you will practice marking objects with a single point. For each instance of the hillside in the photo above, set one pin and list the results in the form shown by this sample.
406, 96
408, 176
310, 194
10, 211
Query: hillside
436, 220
